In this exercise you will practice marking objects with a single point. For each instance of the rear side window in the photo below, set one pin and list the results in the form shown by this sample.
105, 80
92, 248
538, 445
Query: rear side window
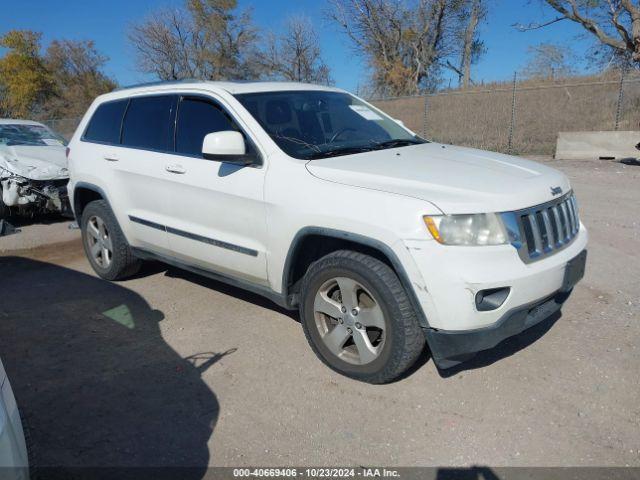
148, 123
197, 118
105, 123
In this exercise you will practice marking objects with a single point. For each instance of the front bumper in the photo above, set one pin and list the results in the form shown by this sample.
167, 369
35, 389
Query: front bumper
449, 348
25, 196
447, 279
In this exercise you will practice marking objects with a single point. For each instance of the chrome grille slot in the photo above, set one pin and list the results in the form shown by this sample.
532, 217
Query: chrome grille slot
544, 229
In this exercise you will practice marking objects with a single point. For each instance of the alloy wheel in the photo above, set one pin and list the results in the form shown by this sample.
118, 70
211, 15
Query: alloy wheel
99, 242
350, 320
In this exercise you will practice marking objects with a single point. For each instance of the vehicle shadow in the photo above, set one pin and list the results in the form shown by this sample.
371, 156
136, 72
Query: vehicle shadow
482, 359
506, 348
230, 290
630, 161
471, 473
94, 379
41, 219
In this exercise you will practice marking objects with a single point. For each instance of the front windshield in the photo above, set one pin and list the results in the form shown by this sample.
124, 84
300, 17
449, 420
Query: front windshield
29, 134
318, 124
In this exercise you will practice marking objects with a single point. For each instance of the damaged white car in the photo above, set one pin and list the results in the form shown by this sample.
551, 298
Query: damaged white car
33, 169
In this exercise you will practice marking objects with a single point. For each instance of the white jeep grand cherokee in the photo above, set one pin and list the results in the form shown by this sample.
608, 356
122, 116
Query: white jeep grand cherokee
321, 202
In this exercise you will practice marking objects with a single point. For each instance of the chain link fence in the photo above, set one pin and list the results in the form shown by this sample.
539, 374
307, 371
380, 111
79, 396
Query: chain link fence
63, 126
521, 118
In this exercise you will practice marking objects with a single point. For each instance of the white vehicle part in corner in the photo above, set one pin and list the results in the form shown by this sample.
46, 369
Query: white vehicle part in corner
12, 196
13, 449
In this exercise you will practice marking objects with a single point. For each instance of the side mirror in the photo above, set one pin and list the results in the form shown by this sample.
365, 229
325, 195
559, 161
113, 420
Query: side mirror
227, 146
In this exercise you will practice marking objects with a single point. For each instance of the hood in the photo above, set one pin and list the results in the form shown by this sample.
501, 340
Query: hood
35, 162
455, 179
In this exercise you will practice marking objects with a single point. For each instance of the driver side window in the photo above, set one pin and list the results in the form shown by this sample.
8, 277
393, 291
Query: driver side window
196, 118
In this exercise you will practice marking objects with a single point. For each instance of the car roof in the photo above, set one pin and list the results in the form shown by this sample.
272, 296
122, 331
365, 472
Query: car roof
15, 121
232, 87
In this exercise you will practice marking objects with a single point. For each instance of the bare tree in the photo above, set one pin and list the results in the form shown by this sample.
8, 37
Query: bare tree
472, 46
166, 45
209, 39
613, 23
471, 13
227, 38
405, 44
77, 78
295, 54
549, 61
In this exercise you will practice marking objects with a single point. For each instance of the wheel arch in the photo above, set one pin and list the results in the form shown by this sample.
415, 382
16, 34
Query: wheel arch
312, 243
83, 194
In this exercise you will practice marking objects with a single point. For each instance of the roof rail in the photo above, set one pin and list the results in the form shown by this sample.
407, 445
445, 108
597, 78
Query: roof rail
161, 82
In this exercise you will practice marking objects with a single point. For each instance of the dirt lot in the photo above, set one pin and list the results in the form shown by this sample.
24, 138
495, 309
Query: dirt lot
172, 369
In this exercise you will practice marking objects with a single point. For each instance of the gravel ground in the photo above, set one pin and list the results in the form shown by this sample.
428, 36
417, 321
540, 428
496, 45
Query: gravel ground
172, 369
38, 232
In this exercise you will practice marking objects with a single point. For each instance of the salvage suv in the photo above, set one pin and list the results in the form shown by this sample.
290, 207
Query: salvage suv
321, 202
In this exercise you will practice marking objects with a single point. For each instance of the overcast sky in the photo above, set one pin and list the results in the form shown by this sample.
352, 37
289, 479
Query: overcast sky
106, 23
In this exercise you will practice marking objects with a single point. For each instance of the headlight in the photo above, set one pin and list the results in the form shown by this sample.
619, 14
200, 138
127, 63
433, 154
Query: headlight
475, 229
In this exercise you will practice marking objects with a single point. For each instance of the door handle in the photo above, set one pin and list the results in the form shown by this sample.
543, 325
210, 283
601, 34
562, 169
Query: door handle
175, 169
111, 157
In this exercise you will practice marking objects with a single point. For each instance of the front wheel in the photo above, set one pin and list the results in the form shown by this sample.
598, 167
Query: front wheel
358, 319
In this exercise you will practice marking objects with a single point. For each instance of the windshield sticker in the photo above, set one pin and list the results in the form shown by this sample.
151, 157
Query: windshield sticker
365, 112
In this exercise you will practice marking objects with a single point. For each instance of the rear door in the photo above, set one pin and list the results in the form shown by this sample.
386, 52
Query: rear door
217, 209
142, 183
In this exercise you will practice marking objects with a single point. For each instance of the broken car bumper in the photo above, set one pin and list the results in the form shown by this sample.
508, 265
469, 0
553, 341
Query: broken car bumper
475, 297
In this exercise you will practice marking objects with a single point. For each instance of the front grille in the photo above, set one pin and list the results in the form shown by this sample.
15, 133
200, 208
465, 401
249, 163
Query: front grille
544, 229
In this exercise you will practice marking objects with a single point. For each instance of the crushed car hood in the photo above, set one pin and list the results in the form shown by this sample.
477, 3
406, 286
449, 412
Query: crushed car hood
455, 179
34, 162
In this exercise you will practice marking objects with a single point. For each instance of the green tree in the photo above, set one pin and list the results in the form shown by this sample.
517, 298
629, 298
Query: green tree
24, 79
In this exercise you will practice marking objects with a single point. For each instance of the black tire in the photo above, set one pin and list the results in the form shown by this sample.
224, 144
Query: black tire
404, 339
123, 262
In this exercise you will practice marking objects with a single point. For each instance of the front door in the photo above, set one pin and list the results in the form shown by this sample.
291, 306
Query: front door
218, 213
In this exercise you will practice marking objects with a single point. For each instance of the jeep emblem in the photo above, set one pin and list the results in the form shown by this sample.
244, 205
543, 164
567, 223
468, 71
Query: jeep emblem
556, 190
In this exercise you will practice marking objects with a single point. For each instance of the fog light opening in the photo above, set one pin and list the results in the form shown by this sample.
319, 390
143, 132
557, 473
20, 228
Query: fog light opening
491, 298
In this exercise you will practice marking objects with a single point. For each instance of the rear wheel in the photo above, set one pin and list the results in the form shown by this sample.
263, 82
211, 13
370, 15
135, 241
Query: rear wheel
104, 244
358, 319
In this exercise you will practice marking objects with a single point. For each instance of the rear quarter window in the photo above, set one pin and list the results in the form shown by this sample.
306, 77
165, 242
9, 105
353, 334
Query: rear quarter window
105, 123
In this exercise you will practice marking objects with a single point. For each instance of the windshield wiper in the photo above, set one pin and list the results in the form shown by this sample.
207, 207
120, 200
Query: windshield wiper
396, 142
339, 151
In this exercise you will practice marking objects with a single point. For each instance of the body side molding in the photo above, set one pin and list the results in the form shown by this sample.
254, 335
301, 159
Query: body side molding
193, 236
